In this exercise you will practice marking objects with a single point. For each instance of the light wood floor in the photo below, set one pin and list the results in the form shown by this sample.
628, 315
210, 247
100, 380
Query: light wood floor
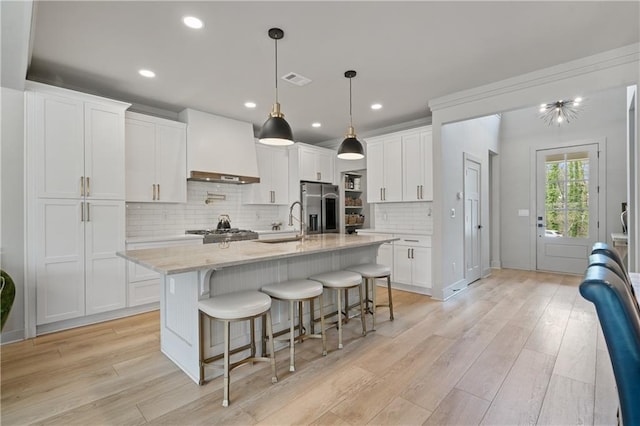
515, 348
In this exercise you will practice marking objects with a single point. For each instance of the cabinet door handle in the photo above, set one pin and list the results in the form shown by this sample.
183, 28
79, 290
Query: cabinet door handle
82, 211
408, 253
411, 241
418, 192
154, 191
381, 194
158, 192
88, 212
274, 196
82, 186
88, 187
421, 192
319, 175
412, 254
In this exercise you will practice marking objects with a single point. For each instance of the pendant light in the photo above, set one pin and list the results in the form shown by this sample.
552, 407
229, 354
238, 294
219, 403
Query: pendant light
276, 130
350, 148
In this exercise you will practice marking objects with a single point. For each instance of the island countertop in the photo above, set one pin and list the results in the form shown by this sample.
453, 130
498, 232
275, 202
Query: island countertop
176, 260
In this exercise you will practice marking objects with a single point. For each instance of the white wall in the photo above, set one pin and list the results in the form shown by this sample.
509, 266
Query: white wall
12, 205
476, 137
603, 119
615, 68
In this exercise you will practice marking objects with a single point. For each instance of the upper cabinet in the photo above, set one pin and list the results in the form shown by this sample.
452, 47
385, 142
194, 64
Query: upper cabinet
156, 159
399, 166
273, 167
384, 169
417, 166
313, 164
78, 142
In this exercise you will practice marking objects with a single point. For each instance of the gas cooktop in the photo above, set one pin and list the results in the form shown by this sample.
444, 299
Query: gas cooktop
219, 235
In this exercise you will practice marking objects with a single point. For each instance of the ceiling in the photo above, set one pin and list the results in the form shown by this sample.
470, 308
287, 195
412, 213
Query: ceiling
405, 53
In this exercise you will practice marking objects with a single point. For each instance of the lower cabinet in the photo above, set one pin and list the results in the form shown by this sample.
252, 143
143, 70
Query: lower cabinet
410, 261
77, 270
144, 284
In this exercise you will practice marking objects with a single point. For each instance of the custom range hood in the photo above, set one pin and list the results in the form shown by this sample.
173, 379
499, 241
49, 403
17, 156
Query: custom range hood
219, 149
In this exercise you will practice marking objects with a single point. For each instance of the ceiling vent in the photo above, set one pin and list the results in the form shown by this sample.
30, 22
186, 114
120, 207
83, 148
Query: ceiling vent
297, 79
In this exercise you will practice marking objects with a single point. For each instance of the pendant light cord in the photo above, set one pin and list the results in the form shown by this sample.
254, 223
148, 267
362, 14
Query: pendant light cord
350, 114
276, 75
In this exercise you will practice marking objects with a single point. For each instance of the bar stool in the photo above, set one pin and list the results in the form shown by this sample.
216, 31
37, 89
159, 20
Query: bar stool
298, 291
238, 306
370, 272
343, 280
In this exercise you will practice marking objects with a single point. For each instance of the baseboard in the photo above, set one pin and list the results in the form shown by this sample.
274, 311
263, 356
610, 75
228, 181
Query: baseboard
454, 289
496, 264
93, 319
11, 336
406, 287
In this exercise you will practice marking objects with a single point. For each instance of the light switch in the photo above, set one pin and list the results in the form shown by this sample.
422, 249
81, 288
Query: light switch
453, 212
523, 212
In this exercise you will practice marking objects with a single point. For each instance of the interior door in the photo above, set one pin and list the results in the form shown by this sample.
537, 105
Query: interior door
472, 225
566, 207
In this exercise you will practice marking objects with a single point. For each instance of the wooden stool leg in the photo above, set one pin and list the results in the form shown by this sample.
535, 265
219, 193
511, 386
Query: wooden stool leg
274, 376
364, 319
390, 299
339, 319
292, 336
225, 398
324, 335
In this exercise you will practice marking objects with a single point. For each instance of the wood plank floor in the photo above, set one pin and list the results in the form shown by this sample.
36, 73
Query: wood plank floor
515, 348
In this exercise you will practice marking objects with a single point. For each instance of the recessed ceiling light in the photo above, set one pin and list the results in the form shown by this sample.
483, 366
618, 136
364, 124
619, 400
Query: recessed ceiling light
147, 73
376, 106
192, 22
250, 104
316, 124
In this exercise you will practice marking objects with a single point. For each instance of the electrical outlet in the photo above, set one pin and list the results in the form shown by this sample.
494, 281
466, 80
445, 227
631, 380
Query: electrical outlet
453, 212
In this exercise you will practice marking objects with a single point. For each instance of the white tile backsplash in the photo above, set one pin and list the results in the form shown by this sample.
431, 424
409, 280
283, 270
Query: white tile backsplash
157, 219
398, 217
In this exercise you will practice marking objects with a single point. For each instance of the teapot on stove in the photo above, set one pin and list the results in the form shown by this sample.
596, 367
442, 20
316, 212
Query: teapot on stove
224, 222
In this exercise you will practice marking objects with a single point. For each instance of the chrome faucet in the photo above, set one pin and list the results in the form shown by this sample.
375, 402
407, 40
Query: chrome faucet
302, 226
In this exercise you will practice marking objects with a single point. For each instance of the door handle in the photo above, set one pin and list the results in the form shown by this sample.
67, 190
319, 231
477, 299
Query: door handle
88, 212
154, 191
82, 186
479, 226
82, 211
381, 195
88, 187
418, 192
421, 192
158, 192
408, 253
319, 175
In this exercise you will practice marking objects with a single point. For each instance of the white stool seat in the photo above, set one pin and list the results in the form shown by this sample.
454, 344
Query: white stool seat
371, 270
338, 279
242, 304
294, 289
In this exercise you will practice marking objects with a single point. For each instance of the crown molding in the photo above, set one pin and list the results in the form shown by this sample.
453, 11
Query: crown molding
609, 59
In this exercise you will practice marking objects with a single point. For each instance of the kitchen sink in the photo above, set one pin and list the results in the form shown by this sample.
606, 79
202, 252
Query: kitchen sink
281, 240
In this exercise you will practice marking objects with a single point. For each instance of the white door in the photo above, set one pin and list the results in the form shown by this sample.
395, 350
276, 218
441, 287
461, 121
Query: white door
472, 226
171, 164
393, 169
60, 260
421, 260
105, 272
104, 151
280, 176
412, 167
140, 160
375, 171
566, 207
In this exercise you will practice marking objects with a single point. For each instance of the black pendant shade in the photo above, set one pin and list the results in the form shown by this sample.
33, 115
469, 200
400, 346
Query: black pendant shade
350, 148
276, 130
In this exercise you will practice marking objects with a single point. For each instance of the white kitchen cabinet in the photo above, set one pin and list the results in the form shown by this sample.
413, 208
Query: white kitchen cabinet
156, 159
77, 270
273, 166
417, 165
144, 284
412, 261
316, 164
75, 202
384, 169
78, 144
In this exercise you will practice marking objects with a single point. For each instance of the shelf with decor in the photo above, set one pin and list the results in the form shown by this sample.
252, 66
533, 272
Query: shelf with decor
353, 202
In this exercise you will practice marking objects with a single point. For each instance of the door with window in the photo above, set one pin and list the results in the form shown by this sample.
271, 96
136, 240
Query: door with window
567, 207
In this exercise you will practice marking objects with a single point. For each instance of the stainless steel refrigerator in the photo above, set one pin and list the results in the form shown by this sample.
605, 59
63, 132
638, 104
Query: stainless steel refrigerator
320, 204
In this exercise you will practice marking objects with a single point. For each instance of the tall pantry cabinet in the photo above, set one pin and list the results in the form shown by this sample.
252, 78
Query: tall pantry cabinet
75, 196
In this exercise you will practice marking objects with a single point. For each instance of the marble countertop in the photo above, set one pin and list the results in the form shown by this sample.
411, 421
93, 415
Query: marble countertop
367, 231
160, 238
175, 260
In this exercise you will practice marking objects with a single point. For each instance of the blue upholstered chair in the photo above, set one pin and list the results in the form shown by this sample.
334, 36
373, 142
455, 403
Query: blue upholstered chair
619, 318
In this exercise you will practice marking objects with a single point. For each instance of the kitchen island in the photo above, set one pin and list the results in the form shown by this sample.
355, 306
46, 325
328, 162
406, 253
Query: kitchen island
192, 273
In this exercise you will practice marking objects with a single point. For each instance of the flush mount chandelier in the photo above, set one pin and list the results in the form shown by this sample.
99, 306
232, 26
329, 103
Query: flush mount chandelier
562, 111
